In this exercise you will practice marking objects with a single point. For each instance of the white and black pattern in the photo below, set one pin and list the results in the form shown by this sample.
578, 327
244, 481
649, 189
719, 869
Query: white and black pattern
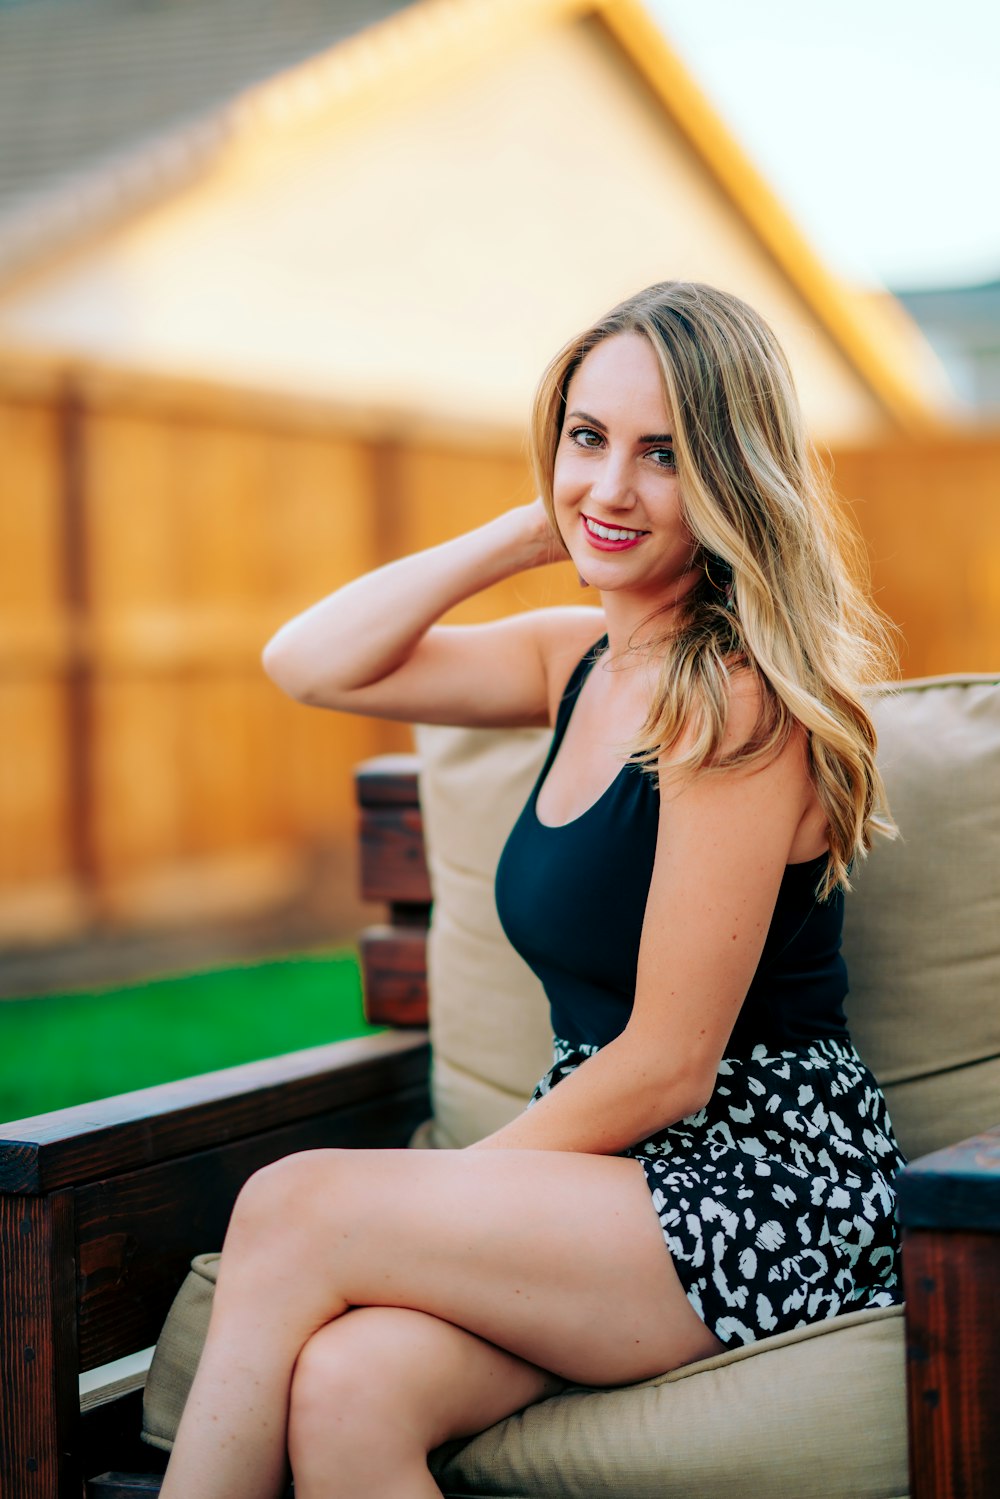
776, 1199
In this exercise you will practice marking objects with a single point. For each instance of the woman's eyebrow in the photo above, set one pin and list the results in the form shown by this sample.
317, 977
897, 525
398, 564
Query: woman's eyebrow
594, 422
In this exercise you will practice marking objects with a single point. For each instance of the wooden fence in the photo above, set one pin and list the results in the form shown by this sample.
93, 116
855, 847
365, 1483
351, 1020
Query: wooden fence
154, 534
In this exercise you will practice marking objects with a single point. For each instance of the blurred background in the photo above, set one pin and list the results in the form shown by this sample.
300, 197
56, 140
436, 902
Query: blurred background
277, 278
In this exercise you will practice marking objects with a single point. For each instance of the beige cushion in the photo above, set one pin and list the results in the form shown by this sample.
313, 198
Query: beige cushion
817, 1414
771, 1419
922, 931
490, 1034
177, 1353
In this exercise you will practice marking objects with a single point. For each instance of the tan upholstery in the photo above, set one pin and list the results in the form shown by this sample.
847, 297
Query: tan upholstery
815, 1413
809, 1415
922, 931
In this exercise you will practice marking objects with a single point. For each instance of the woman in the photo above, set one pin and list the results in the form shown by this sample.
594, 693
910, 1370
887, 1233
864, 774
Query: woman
707, 1162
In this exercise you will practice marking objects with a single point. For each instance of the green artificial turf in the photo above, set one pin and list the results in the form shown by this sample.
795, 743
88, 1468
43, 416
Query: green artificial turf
65, 1049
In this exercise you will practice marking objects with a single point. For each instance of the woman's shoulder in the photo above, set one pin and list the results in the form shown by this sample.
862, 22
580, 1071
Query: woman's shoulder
565, 636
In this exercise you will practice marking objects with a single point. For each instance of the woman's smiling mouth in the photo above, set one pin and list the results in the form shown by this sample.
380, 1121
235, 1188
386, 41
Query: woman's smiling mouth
610, 538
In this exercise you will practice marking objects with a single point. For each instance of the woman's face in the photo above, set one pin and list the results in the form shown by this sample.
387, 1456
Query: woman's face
615, 488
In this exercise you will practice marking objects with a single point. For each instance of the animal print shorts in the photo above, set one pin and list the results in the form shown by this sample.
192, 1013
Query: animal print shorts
776, 1198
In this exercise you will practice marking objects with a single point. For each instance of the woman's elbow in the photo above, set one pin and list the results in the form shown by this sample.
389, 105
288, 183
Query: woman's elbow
282, 668
680, 1095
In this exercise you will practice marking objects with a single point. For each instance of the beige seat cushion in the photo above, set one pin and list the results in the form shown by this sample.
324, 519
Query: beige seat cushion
810, 1415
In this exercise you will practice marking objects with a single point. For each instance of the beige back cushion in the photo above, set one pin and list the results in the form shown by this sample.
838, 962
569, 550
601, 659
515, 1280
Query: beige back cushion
922, 933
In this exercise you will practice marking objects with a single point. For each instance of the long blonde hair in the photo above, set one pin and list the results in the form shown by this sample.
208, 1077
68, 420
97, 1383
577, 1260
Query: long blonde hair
783, 591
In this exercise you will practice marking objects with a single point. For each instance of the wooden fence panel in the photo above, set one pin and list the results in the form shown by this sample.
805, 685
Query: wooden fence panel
153, 537
930, 515
39, 891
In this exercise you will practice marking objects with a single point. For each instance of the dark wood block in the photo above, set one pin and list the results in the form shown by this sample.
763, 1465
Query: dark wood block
956, 1188
393, 866
388, 781
394, 970
39, 1402
952, 1286
124, 1486
154, 1124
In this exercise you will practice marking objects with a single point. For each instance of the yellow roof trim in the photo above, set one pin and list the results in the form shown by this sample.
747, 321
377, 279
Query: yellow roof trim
873, 337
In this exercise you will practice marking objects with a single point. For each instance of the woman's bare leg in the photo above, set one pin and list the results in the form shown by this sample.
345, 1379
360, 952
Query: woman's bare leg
556, 1257
378, 1389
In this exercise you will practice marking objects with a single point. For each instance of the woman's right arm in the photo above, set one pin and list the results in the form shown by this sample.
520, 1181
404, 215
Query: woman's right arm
374, 646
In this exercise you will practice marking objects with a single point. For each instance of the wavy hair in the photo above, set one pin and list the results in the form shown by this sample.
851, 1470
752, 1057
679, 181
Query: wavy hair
784, 588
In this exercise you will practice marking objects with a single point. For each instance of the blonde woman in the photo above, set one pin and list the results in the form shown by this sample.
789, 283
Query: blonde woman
707, 1162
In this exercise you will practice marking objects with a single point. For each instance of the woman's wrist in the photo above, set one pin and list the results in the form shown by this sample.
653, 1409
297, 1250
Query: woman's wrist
530, 537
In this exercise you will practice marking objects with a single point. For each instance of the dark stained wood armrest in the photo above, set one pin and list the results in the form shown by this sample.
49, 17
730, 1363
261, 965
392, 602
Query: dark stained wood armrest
71, 1146
102, 1208
949, 1205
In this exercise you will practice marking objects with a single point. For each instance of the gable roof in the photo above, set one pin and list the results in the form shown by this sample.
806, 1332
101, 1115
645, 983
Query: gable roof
107, 104
872, 332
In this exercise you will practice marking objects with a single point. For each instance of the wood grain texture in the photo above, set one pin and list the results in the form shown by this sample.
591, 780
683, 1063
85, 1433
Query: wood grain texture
955, 1188
394, 973
952, 1285
39, 1411
113, 1135
393, 864
388, 781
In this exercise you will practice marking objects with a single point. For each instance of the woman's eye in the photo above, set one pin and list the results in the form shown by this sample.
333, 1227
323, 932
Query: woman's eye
664, 457
582, 435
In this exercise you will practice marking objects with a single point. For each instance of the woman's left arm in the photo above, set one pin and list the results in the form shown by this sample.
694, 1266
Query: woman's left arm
723, 843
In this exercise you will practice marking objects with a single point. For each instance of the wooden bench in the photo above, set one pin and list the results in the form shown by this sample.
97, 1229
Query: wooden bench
103, 1206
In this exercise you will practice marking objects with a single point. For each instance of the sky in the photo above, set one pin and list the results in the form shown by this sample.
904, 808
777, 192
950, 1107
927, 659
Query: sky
876, 121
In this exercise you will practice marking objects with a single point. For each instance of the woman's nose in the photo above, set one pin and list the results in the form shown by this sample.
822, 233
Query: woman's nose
612, 484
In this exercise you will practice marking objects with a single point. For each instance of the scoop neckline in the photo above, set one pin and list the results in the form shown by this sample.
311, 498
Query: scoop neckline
558, 827
555, 827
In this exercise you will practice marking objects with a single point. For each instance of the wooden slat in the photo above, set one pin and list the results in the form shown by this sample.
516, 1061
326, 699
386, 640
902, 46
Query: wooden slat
97, 1139
137, 1233
124, 1486
394, 973
952, 1285
393, 866
110, 1439
39, 1408
388, 781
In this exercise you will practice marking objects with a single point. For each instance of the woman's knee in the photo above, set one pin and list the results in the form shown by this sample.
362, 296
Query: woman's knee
282, 1194
353, 1382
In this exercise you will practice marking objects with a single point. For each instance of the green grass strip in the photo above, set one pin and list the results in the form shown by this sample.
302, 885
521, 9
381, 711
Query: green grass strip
57, 1050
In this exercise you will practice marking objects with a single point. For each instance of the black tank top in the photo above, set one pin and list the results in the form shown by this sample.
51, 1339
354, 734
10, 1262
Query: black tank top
572, 900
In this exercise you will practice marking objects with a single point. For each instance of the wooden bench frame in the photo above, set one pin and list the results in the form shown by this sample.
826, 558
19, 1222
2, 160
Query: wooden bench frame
103, 1206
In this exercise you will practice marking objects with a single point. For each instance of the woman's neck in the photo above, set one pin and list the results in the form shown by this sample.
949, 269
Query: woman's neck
636, 619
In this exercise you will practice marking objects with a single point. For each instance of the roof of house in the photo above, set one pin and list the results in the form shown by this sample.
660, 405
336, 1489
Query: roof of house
107, 103
186, 82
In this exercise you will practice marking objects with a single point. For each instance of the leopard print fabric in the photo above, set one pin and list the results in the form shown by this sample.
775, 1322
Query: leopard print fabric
775, 1200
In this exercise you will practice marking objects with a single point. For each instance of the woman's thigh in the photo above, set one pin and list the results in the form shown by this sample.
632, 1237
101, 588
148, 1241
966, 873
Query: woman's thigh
556, 1257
